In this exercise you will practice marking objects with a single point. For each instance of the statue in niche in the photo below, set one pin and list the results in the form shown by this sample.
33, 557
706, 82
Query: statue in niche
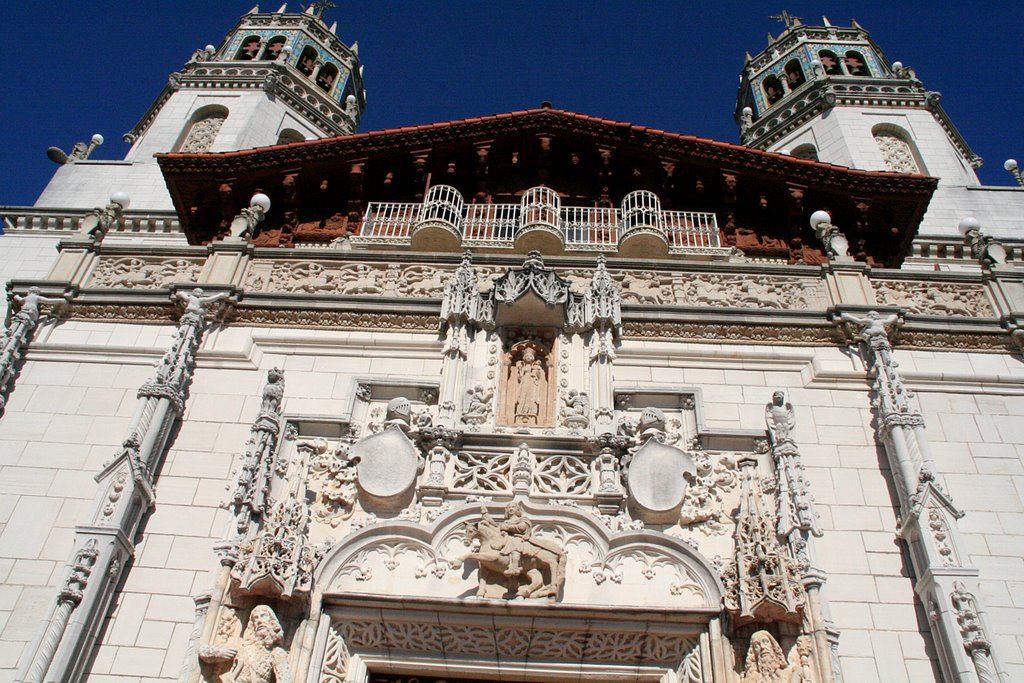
526, 395
765, 662
780, 418
258, 657
531, 385
508, 554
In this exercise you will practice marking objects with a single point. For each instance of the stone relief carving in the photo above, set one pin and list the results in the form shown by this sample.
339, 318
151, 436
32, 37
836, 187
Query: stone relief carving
512, 560
934, 298
256, 657
332, 479
795, 503
311, 277
478, 410
136, 272
576, 409
704, 509
748, 291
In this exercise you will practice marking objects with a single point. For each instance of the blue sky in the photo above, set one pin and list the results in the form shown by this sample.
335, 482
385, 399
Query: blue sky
76, 68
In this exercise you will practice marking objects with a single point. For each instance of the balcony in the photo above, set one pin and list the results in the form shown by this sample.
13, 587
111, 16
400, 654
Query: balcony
444, 222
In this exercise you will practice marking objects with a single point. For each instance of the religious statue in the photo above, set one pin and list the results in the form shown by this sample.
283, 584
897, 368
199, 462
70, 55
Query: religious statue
780, 418
479, 409
511, 559
530, 388
258, 658
765, 662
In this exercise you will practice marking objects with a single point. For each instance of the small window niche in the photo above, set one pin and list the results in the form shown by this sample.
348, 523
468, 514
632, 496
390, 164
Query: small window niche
249, 50
273, 49
855, 64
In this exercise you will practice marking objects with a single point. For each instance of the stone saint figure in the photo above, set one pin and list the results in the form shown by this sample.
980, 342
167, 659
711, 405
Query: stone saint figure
258, 658
765, 662
531, 385
780, 418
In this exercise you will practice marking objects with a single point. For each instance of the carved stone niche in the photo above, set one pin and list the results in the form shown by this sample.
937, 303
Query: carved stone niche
529, 381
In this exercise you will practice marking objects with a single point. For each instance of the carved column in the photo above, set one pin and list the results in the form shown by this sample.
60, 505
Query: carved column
18, 334
797, 525
603, 313
105, 542
928, 518
458, 311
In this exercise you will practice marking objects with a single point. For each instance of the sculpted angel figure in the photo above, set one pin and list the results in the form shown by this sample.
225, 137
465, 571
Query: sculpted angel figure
479, 408
780, 417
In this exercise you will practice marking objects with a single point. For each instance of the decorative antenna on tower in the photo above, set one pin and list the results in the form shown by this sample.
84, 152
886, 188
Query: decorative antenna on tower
318, 7
786, 18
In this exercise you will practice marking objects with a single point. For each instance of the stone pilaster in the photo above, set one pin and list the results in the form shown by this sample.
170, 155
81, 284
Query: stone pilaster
18, 334
928, 518
104, 543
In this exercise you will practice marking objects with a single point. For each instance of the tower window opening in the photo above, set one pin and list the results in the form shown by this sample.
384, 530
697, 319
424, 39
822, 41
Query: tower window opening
898, 152
289, 135
856, 65
772, 89
830, 62
202, 129
794, 74
273, 49
805, 151
249, 50
307, 61
326, 77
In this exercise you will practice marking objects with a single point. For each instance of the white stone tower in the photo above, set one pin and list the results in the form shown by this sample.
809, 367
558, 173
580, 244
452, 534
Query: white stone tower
277, 77
828, 93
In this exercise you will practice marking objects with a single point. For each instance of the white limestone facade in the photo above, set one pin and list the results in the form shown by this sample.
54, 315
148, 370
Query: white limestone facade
602, 445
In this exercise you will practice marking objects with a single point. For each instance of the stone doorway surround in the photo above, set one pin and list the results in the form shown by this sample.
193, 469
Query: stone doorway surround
492, 640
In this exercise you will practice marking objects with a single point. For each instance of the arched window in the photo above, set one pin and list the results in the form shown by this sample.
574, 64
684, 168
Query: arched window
898, 152
273, 49
772, 89
250, 48
289, 135
855, 64
202, 129
307, 61
830, 62
805, 151
326, 77
794, 74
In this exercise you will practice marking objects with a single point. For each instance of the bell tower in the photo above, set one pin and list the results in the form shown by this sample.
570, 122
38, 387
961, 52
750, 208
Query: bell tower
828, 93
277, 77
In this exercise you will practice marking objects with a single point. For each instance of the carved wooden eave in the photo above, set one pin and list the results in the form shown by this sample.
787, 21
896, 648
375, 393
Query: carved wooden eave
579, 156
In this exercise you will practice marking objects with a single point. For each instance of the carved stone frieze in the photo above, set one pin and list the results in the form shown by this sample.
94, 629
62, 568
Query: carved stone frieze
144, 273
509, 641
824, 335
934, 298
